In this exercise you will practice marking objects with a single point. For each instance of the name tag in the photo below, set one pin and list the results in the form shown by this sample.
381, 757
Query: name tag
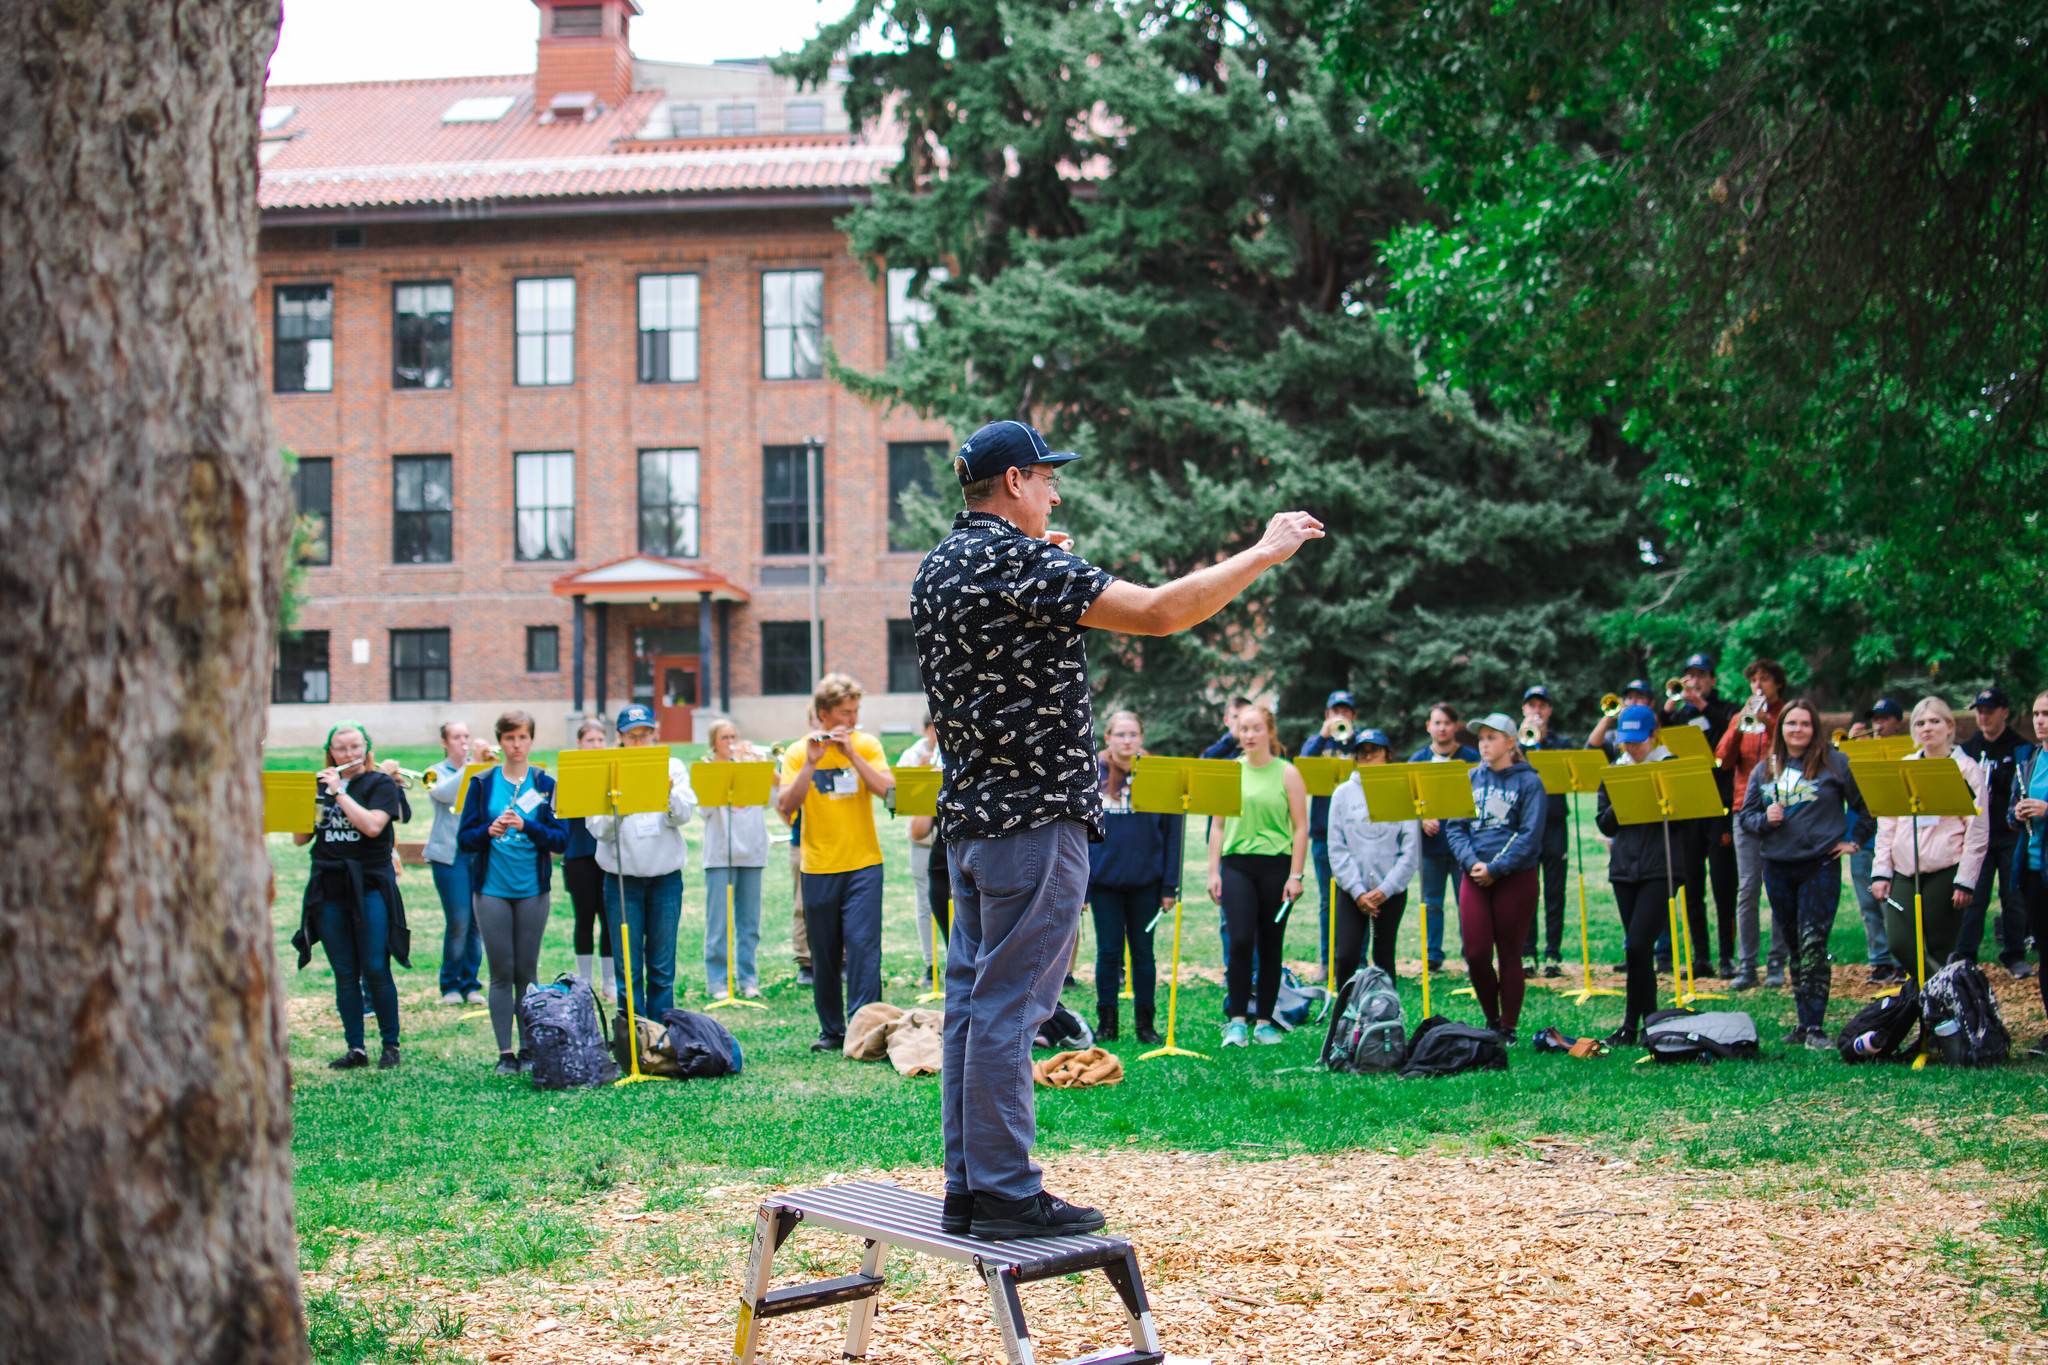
529, 801
835, 782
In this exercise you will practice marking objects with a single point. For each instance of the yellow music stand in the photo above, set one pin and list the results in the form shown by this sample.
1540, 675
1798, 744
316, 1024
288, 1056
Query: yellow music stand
1184, 787
917, 793
1419, 791
1906, 789
290, 803
1687, 741
1651, 793
1570, 771
1322, 776
732, 785
614, 782
1877, 746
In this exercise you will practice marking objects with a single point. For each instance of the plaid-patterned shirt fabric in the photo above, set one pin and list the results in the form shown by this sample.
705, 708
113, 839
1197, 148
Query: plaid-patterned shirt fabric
1000, 649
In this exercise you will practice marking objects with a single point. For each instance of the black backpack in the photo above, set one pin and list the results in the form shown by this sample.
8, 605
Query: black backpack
1879, 1029
1366, 1030
561, 1026
703, 1046
1442, 1048
1690, 1036
1961, 1014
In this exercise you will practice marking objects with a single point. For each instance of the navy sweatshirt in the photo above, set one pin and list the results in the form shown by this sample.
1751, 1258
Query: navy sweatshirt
1813, 810
1138, 848
1513, 809
1318, 745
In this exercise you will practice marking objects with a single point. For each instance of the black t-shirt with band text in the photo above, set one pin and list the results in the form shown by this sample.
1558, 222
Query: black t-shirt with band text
335, 837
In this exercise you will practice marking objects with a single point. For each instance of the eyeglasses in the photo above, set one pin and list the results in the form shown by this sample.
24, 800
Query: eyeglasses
1052, 481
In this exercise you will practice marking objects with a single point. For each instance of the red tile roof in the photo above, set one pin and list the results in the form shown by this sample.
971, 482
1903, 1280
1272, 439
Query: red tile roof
382, 145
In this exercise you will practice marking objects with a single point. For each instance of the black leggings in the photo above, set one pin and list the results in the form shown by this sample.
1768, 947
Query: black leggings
1646, 911
1121, 914
2034, 896
1355, 928
585, 883
1254, 884
939, 887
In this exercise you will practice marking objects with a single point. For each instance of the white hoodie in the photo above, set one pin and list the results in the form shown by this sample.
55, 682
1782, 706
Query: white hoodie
649, 843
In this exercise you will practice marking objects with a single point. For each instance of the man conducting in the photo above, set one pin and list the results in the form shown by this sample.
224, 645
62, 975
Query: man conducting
997, 610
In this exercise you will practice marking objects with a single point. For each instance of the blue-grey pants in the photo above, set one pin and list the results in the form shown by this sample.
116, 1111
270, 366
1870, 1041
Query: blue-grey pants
647, 922
462, 943
843, 915
1879, 951
1016, 913
1319, 854
746, 919
1437, 872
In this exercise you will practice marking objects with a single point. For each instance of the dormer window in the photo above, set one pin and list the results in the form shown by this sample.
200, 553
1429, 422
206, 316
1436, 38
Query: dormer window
579, 106
578, 21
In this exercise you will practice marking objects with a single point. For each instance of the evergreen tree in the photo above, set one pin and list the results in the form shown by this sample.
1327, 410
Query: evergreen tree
1163, 227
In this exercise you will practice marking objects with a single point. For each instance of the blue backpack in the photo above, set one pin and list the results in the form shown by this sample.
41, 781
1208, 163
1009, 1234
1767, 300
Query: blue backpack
565, 1034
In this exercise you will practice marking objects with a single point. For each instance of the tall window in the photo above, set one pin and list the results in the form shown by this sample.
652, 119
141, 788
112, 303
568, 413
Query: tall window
423, 335
792, 324
910, 466
301, 674
668, 503
786, 503
313, 508
735, 120
785, 658
803, 116
668, 329
422, 509
544, 323
544, 505
903, 675
910, 308
419, 665
304, 354
685, 120
543, 649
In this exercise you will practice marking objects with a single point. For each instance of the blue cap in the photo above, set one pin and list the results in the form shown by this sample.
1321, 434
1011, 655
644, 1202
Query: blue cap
1340, 698
1537, 693
1641, 685
1635, 724
1990, 699
1006, 445
1378, 737
1885, 706
635, 717
1703, 662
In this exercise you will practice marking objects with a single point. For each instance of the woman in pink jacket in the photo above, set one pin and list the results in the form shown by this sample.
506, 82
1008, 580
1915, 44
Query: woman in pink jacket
1949, 857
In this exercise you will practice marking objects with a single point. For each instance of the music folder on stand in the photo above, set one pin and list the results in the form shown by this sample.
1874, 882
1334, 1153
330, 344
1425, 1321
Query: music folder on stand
1566, 772
917, 794
731, 785
1419, 791
1183, 787
1658, 793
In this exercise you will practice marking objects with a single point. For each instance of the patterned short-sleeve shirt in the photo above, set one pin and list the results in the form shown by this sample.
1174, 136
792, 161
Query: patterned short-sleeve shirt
1000, 648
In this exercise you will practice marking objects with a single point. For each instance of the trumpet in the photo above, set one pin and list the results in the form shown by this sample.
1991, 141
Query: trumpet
1674, 689
493, 754
1341, 732
1610, 705
407, 780
1837, 736
1530, 734
1752, 722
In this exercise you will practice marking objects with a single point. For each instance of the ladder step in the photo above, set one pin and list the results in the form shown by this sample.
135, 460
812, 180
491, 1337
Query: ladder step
1118, 1356
799, 1298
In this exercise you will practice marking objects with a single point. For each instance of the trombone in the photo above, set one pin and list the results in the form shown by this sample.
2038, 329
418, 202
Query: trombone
1610, 705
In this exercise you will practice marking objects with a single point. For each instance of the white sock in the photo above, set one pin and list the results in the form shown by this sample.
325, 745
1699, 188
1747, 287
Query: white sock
585, 969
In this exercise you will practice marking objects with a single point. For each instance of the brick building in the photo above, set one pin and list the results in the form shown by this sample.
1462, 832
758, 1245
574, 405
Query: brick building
548, 349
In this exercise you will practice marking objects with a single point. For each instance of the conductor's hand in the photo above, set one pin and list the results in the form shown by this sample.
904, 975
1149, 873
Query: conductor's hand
1216, 887
1775, 812
1286, 533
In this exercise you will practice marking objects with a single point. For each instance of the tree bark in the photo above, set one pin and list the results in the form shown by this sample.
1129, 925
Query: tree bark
145, 1130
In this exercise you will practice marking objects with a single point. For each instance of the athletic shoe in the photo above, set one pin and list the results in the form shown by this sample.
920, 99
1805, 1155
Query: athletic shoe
525, 1059
1507, 1036
1774, 976
479, 998
1235, 1034
2039, 1049
508, 1065
1880, 973
1042, 1215
1725, 970
1795, 1034
1621, 966
1552, 969
1817, 1040
2021, 971
956, 1218
750, 992
350, 1060
390, 1057
1663, 966
451, 997
1621, 1037
1744, 980
1266, 1034
804, 977
1069, 983
1436, 964
827, 1043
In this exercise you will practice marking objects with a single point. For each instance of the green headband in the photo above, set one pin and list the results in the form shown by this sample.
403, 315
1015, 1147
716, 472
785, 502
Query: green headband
349, 725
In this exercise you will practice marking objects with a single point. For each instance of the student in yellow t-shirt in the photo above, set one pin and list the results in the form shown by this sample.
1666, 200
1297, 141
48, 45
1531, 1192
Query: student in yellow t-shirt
833, 778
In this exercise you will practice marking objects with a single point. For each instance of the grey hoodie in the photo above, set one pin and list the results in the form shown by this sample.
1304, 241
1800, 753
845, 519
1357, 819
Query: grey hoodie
1366, 855
1813, 809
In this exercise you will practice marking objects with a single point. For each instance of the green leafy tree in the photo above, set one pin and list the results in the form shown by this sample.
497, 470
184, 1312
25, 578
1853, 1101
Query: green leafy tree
1163, 227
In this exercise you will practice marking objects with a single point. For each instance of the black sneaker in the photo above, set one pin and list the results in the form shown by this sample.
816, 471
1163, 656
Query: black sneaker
956, 1219
1774, 976
1621, 1037
2021, 971
1880, 973
804, 977
390, 1057
827, 1043
350, 1060
1744, 980
1069, 983
525, 1059
1817, 1040
1552, 969
1794, 1035
2039, 1049
1042, 1215
1725, 970
508, 1065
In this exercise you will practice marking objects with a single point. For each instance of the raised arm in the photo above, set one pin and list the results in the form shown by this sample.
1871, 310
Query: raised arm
1132, 610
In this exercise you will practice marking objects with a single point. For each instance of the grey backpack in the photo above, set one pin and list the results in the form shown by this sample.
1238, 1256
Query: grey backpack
1689, 1036
1962, 1015
565, 1035
1367, 1031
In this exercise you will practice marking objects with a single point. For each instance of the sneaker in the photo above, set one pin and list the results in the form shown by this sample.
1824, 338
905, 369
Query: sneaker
1744, 980
1774, 976
1621, 966
390, 1057
508, 1065
478, 998
1042, 1215
1069, 983
1267, 1034
2021, 971
1436, 964
1663, 966
1880, 973
451, 997
1507, 1036
956, 1218
1794, 1035
1621, 1037
1552, 969
750, 992
804, 977
525, 1060
1817, 1040
1235, 1034
2039, 1049
827, 1043
350, 1060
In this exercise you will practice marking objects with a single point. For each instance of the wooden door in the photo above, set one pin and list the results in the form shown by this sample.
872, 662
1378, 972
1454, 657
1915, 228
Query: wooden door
675, 696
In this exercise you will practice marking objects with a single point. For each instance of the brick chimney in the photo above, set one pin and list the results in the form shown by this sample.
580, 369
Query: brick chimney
586, 59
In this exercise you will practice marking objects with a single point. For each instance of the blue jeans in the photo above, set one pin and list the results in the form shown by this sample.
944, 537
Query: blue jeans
746, 918
361, 959
653, 909
1438, 869
843, 916
1319, 853
462, 943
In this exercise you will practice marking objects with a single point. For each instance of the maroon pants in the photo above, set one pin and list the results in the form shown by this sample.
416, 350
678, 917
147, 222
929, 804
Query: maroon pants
1494, 921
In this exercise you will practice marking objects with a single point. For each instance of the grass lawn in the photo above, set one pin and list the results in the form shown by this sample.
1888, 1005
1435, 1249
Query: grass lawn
447, 1171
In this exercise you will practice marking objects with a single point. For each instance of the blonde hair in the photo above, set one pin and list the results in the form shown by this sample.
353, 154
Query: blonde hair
1272, 725
1933, 706
590, 723
834, 689
718, 727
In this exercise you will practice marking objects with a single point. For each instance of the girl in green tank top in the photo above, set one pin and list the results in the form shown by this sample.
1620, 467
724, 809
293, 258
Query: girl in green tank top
1264, 823
1255, 864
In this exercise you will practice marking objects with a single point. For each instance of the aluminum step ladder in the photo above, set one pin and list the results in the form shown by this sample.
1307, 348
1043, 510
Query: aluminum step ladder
886, 1215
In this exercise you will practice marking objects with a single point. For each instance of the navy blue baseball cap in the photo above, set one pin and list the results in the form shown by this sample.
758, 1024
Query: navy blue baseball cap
1537, 693
1378, 737
1006, 445
635, 717
1990, 699
1703, 662
1885, 706
1641, 685
1635, 724
1340, 698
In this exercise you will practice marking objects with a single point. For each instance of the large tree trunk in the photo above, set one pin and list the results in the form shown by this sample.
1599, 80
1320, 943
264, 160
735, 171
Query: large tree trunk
145, 1163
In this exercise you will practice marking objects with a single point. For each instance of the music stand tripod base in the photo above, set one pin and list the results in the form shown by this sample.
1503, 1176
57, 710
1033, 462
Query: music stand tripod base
886, 1216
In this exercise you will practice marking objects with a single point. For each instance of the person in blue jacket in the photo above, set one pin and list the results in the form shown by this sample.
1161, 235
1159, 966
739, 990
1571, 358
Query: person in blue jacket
1496, 851
508, 822
1340, 714
2028, 813
1133, 874
1438, 870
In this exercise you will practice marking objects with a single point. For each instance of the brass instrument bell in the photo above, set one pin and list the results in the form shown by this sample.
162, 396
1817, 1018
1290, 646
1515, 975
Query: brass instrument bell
1341, 732
1752, 721
1838, 736
1530, 734
1610, 705
1674, 689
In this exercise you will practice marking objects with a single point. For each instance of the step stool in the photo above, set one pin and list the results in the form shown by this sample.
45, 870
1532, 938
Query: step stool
886, 1215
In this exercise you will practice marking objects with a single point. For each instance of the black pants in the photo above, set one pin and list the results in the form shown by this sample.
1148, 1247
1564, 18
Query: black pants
1121, 916
2034, 894
939, 887
585, 883
1254, 884
1556, 862
2011, 921
1726, 880
1645, 914
1359, 933
1804, 896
